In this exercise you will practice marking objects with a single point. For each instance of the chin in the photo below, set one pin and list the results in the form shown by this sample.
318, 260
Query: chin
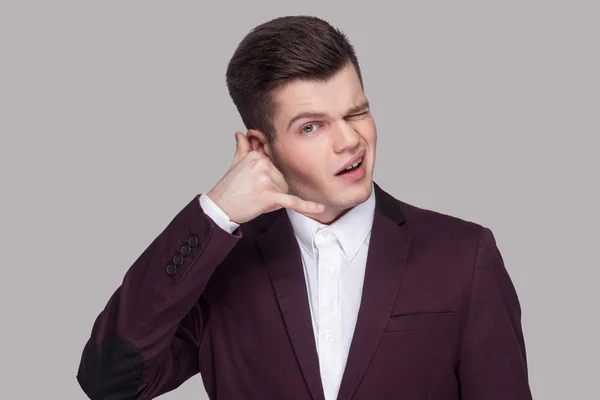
367, 190
357, 195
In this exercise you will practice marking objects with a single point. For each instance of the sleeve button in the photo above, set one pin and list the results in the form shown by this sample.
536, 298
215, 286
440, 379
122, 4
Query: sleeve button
185, 250
171, 269
178, 259
193, 241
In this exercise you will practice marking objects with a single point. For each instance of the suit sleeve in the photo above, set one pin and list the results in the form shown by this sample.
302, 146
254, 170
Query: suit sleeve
492, 357
145, 341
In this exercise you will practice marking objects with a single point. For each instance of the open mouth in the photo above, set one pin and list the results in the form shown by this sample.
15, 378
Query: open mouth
351, 168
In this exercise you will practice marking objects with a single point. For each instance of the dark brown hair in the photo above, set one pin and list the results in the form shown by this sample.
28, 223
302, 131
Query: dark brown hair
279, 51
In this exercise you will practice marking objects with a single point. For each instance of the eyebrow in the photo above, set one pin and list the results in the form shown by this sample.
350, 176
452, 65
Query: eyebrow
309, 114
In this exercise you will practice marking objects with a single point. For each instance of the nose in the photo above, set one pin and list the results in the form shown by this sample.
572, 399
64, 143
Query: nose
345, 137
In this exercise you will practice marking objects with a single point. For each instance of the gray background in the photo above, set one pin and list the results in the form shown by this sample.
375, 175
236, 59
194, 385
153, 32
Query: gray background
115, 113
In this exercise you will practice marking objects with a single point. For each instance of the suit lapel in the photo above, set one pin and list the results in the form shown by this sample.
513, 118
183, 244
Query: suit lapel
386, 260
282, 256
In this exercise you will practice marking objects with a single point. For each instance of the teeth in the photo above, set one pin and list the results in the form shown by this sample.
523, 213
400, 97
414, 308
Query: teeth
355, 164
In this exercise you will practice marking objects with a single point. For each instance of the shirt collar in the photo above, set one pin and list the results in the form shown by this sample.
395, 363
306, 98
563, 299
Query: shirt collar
351, 229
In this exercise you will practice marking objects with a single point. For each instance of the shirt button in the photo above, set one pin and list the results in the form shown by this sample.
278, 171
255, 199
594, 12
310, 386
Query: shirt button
326, 234
329, 337
330, 270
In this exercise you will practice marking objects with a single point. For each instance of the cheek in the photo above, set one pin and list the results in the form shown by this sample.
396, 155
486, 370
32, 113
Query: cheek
367, 130
308, 168
298, 164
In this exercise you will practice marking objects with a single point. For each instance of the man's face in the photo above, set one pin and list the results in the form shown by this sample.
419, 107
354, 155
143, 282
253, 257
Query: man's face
311, 149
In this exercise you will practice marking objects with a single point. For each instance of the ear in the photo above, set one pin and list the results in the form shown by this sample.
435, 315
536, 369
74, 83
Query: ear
258, 142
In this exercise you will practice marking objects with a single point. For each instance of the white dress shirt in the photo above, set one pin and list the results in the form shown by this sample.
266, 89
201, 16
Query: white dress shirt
334, 260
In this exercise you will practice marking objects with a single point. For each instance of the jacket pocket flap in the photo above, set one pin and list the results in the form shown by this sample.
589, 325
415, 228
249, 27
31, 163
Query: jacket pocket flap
420, 321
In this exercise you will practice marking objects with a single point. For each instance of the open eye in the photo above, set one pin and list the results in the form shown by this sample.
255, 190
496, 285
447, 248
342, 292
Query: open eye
306, 130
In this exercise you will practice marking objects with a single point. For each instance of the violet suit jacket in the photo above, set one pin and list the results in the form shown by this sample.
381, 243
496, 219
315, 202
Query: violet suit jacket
439, 317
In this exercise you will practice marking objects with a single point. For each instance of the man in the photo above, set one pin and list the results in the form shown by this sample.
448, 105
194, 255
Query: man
297, 276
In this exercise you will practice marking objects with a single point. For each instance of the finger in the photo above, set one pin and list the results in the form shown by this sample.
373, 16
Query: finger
243, 146
297, 204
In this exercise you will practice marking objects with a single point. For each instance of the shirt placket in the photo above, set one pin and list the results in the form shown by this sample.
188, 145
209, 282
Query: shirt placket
329, 310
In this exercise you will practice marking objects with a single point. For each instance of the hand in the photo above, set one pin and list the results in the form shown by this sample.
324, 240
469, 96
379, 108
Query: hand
253, 186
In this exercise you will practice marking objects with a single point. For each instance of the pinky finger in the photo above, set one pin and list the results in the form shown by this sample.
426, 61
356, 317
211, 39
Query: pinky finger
297, 204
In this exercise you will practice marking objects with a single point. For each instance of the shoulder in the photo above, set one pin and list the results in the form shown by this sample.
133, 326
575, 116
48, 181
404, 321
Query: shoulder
445, 235
424, 220
447, 246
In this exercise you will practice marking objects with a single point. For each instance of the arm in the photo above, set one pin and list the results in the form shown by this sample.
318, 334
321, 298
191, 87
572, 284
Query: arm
492, 357
145, 341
